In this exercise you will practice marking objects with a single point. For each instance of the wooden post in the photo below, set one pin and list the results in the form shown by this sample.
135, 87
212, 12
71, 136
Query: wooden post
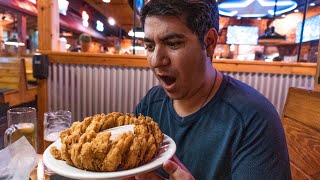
1, 37
22, 33
48, 27
317, 77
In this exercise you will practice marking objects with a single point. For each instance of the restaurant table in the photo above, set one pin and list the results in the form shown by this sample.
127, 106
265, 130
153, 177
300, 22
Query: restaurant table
39, 172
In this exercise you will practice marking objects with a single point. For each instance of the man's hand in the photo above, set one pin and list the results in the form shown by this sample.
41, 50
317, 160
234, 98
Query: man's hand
175, 169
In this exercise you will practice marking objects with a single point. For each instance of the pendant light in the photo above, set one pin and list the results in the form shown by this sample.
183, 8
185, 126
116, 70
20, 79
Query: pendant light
14, 40
270, 33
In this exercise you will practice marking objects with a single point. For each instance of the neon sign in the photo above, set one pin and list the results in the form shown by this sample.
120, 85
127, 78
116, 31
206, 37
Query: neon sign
255, 8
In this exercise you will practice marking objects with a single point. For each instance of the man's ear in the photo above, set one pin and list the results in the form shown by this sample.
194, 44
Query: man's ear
210, 41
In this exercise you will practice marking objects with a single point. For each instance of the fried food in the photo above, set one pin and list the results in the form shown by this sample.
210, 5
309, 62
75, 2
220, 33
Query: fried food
87, 146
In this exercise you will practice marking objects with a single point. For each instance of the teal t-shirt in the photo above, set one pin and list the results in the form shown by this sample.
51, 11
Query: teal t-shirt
237, 135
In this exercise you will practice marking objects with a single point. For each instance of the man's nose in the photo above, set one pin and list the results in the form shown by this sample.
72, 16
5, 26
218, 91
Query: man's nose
159, 58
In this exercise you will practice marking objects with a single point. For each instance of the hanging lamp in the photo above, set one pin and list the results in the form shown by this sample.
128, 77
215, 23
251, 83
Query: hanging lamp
270, 33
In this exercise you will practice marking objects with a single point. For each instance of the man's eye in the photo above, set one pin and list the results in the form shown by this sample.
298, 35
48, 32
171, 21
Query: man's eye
174, 45
149, 47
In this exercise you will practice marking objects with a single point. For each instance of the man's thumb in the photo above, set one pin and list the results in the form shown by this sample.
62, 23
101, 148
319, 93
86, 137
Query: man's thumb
175, 171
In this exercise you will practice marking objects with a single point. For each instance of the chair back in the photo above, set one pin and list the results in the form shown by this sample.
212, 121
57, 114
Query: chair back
301, 122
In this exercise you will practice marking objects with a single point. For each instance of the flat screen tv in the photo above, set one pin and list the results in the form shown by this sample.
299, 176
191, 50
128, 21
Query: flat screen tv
242, 35
311, 30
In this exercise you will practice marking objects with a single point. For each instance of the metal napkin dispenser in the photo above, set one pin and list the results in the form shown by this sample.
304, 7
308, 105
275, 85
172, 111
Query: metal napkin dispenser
40, 65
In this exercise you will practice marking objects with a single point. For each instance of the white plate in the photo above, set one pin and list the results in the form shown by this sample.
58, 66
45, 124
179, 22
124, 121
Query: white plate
60, 167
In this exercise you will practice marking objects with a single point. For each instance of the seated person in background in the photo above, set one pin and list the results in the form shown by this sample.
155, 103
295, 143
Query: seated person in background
77, 48
258, 55
223, 128
278, 58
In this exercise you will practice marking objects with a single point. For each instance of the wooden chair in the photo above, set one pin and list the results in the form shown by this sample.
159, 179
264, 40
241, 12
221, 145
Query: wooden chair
13, 82
301, 122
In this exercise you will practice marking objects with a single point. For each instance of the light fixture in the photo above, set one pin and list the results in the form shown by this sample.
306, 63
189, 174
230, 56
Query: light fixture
111, 21
14, 42
312, 4
63, 6
138, 33
270, 33
137, 47
63, 39
33, 1
99, 26
85, 18
254, 8
85, 23
106, 1
296, 10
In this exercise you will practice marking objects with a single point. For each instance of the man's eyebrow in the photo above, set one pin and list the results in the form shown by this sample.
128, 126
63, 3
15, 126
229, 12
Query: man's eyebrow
166, 37
172, 36
147, 40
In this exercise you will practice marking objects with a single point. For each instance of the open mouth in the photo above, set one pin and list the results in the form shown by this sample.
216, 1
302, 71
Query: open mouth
168, 80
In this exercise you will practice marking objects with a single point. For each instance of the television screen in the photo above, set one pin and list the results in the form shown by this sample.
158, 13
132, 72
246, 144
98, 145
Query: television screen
311, 30
242, 35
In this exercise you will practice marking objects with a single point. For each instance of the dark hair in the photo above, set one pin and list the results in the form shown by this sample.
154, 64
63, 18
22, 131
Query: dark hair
198, 15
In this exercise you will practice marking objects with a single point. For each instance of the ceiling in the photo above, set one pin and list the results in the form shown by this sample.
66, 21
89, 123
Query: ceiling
120, 10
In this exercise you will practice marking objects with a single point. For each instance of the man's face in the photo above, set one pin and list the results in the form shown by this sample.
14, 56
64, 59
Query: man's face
175, 56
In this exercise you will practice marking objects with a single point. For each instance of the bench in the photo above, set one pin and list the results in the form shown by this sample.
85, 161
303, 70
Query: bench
301, 122
14, 76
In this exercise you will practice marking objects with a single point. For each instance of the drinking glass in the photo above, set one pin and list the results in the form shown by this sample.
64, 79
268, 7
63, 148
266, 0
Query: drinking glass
21, 122
54, 123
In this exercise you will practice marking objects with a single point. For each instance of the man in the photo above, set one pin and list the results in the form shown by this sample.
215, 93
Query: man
223, 128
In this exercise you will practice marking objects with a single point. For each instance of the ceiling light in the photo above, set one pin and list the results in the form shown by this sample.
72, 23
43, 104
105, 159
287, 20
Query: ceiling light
63, 6
137, 47
270, 33
312, 4
13, 42
33, 1
63, 39
111, 21
296, 10
85, 16
138, 34
100, 26
85, 23
106, 1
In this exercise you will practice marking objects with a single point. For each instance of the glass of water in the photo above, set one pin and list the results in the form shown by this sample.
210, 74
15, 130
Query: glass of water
54, 123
